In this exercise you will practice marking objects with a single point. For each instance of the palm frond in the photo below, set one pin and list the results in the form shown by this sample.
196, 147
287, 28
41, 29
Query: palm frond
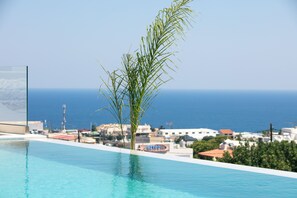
145, 72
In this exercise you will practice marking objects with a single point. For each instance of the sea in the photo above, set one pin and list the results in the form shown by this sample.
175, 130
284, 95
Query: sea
241, 111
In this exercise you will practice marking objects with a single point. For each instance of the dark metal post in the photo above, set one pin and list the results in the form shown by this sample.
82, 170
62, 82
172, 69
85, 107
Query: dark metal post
27, 98
78, 136
270, 132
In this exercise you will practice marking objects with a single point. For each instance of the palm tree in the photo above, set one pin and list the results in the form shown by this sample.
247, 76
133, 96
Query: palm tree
137, 83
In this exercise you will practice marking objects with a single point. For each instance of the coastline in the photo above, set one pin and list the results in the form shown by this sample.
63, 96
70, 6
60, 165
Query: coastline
250, 111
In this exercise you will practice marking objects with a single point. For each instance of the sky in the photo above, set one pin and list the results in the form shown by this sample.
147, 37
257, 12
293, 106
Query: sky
241, 45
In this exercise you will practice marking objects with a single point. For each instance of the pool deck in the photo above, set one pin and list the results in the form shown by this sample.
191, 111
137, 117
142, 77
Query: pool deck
155, 155
7, 136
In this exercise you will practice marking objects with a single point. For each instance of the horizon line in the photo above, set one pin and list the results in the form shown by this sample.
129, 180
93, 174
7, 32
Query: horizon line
166, 89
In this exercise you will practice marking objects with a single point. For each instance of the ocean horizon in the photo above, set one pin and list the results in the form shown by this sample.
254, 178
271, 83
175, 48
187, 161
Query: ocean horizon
239, 110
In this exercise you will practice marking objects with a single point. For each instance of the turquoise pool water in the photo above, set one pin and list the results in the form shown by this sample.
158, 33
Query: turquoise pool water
40, 169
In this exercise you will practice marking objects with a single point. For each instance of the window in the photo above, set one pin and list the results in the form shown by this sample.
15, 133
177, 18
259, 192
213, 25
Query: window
187, 133
200, 132
193, 132
207, 132
173, 133
166, 133
180, 132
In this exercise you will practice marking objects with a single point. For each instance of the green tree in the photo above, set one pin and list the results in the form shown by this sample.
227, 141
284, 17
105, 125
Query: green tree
218, 139
94, 127
205, 145
143, 73
115, 96
227, 158
200, 146
206, 138
273, 155
242, 154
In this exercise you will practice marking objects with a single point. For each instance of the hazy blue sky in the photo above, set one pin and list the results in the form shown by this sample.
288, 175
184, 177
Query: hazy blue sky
233, 44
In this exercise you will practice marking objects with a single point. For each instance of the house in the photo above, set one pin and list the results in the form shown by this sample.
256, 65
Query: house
215, 153
231, 144
115, 129
226, 132
199, 134
247, 135
289, 133
188, 140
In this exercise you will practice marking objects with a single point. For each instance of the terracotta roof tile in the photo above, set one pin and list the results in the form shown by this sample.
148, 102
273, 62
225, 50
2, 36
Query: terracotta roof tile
217, 153
226, 131
65, 137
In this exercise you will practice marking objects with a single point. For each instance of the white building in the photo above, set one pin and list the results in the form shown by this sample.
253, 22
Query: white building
248, 135
115, 129
288, 134
230, 144
111, 129
199, 134
142, 129
280, 138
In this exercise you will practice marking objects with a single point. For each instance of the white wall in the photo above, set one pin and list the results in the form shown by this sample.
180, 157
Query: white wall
195, 133
291, 131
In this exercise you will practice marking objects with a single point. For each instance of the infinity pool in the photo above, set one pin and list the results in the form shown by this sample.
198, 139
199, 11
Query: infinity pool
42, 169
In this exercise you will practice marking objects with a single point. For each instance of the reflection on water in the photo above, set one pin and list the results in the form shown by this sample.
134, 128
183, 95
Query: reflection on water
37, 168
118, 172
127, 167
14, 166
135, 172
27, 169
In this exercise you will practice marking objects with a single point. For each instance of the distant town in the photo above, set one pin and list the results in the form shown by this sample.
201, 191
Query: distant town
177, 142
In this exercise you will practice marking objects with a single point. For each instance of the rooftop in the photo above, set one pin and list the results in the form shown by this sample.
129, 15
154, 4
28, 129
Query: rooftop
217, 153
226, 131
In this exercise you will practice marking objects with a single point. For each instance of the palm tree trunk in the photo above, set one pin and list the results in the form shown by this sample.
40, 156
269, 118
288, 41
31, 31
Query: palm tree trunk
134, 119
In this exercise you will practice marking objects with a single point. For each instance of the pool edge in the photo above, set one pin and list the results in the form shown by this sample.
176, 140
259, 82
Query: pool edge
175, 158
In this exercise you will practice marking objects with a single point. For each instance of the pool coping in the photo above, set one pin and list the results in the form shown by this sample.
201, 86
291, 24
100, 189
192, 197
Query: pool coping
9, 136
174, 158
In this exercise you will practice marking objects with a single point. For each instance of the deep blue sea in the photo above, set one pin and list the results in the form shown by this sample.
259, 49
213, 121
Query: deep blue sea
237, 110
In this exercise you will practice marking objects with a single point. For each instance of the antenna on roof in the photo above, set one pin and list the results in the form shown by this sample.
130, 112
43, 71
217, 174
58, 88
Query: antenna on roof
169, 124
64, 117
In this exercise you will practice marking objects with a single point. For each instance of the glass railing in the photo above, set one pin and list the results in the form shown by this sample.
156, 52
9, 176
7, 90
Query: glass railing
14, 99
